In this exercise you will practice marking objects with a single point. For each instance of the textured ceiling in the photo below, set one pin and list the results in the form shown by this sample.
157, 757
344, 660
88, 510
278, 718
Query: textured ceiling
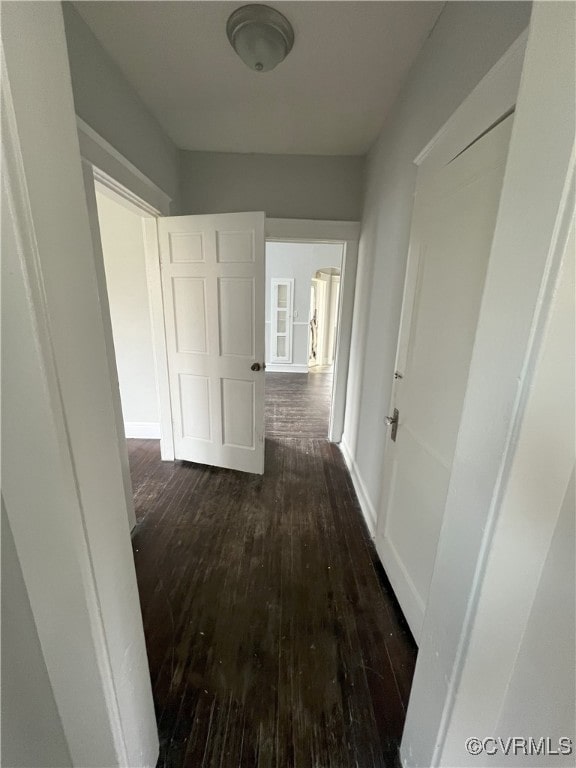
330, 96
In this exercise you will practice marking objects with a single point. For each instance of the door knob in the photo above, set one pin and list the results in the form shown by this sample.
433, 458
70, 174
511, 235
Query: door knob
255, 367
392, 421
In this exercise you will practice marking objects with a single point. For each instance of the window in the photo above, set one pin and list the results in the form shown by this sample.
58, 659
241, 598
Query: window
281, 320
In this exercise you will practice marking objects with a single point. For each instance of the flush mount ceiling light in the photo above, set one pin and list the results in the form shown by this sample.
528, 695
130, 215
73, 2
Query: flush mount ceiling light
260, 35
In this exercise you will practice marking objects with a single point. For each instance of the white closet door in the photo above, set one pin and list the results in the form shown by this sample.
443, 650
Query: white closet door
452, 228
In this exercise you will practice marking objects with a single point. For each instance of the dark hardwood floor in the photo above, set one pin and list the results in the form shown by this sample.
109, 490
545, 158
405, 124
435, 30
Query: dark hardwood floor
298, 404
273, 637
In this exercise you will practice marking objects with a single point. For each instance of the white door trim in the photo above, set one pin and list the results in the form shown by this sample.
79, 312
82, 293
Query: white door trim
121, 194
90, 190
124, 183
101, 154
493, 97
159, 346
347, 233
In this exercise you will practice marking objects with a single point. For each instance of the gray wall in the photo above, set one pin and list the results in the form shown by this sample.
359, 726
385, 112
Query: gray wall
284, 186
32, 732
107, 102
467, 40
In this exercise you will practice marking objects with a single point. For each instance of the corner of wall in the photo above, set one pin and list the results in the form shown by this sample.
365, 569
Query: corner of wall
109, 104
366, 506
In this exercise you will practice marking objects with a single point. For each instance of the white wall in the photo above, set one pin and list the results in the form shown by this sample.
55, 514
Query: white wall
283, 186
540, 696
526, 606
299, 261
62, 480
105, 100
124, 261
467, 40
32, 731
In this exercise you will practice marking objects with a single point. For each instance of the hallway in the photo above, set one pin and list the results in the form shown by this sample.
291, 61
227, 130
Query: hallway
272, 635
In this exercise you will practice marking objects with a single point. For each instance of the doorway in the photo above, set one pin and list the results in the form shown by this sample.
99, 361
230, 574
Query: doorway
302, 328
122, 238
323, 330
324, 236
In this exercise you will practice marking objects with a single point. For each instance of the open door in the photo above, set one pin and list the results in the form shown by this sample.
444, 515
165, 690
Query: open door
213, 294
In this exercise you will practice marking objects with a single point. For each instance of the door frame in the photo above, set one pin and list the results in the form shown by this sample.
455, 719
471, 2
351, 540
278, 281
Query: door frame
120, 174
95, 177
346, 233
103, 164
493, 98
121, 195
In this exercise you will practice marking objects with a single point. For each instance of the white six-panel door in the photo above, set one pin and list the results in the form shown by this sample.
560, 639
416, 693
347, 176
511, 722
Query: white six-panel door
452, 228
213, 293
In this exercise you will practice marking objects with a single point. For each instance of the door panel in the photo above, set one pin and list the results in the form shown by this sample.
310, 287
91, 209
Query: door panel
194, 397
236, 307
190, 322
213, 291
453, 223
238, 413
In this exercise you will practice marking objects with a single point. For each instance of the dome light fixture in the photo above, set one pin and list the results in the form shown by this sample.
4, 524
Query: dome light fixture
260, 35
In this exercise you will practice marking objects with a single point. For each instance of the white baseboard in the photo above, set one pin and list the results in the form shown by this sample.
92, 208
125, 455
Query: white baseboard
145, 430
412, 605
294, 368
366, 505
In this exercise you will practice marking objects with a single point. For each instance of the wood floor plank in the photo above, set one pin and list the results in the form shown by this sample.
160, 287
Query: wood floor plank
298, 404
273, 636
